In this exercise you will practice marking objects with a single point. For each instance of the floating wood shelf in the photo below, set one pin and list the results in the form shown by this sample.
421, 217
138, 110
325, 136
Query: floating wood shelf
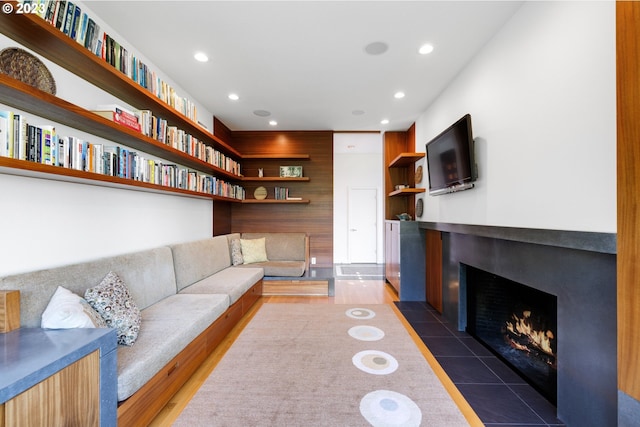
275, 157
275, 201
37, 170
405, 159
406, 192
48, 41
32, 100
274, 179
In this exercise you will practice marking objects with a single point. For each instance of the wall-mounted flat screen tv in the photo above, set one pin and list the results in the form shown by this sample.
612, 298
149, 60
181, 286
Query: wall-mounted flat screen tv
450, 159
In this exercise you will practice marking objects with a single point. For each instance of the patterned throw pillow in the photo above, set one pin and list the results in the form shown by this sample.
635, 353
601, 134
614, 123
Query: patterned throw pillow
67, 310
111, 299
236, 252
253, 250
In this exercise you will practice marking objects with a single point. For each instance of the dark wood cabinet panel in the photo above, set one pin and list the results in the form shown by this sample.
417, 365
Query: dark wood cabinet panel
628, 155
433, 261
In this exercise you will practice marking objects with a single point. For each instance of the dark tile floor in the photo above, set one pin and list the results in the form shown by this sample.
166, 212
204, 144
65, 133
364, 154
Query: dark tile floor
497, 394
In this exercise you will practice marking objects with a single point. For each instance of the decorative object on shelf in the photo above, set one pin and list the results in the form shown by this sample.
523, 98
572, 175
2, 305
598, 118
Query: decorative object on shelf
260, 172
22, 65
404, 217
291, 171
419, 207
418, 176
401, 186
260, 193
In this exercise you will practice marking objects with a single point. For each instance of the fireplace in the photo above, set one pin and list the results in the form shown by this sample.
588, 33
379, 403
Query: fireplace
517, 323
579, 269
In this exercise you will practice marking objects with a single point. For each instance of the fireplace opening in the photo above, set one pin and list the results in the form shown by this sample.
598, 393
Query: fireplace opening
517, 323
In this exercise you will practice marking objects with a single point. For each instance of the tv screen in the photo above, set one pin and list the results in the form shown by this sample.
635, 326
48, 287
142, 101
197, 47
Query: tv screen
450, 159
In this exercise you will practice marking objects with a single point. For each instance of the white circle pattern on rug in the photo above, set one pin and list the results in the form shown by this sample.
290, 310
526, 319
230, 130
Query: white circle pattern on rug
382, 408
366, 333
360, 313
375, 362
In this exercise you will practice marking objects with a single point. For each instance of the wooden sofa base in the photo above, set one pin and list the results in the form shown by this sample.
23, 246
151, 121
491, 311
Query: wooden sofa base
143, 406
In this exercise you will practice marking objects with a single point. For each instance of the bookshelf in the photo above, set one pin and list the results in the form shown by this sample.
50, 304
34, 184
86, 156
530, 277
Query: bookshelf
400, 170
43, 38
270, 162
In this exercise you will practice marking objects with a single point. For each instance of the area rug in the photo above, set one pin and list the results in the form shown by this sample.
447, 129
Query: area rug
323, 365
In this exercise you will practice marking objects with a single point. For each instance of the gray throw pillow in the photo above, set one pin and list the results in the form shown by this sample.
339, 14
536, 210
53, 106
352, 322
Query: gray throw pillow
236, 252
112, 301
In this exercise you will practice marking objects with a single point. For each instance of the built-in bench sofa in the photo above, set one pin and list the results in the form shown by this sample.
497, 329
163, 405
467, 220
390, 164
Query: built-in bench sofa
190, 296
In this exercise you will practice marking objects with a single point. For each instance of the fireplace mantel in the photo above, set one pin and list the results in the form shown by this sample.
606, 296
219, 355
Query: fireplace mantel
583, 240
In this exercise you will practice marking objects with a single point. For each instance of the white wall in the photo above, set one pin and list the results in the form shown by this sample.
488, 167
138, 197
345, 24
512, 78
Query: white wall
48, 223
357, 163
542, 99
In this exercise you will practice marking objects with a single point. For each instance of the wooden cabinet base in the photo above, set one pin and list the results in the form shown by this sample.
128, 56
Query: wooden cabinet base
60, 400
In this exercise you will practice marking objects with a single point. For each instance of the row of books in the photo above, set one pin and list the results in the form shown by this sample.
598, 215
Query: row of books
158, 129
145, 122
282, 193
69, 18
41, 144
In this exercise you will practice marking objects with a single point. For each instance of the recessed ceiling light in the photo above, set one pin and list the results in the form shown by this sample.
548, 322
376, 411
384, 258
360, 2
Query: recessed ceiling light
384, 121
201, 57
233, 96
398, 95
262, 113
273, 123
376, 48
425, 49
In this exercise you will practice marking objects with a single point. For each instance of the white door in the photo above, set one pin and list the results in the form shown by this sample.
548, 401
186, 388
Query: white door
363, 220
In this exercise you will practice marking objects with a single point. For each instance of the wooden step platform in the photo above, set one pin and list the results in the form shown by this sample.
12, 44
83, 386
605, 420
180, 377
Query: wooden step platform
296, 287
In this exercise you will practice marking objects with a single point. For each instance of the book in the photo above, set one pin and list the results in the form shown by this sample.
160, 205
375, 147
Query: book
68, 19
6, 134
120, 118
82, 29
60, 13
75, 24
119, 108
19, 137
47, 150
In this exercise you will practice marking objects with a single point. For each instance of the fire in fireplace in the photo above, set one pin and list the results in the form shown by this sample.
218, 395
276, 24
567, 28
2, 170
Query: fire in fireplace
517, 323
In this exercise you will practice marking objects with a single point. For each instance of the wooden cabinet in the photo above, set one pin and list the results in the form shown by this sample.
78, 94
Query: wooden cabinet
400, 177
433, 261
45, 39
404, 259
58, 377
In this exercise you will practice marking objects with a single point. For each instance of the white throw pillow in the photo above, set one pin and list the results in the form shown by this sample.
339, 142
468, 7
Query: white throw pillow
253, 250
67, 310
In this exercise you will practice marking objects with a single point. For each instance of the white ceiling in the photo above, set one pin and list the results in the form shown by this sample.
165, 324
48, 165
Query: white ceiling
304, 61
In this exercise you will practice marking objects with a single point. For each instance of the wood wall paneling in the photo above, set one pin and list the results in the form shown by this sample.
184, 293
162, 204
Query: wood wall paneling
221, 217
628, 190
315, 218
